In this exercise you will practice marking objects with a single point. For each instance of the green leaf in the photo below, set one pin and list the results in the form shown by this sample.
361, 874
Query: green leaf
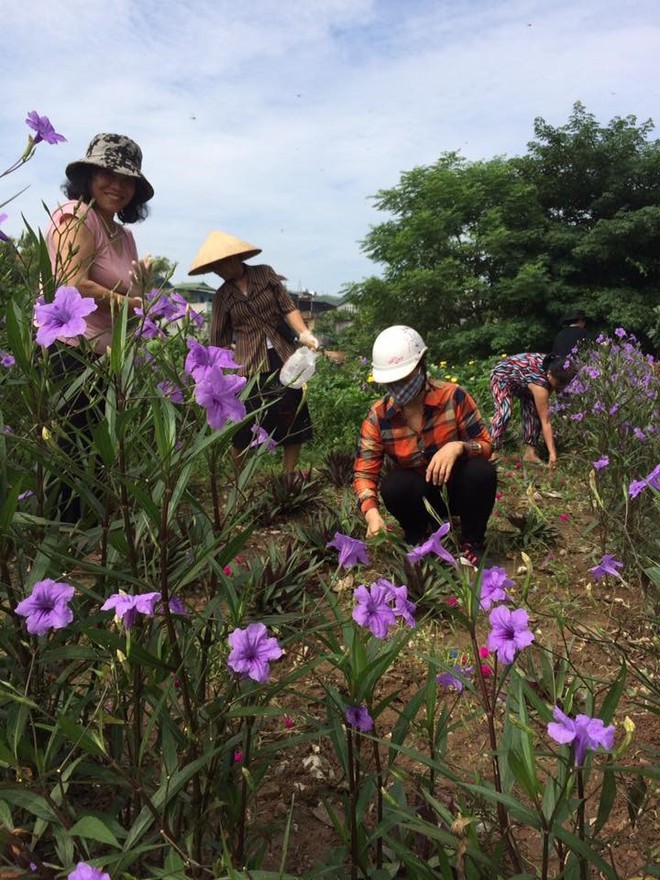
611, 701
582, 849
91, 828
525, 777
33, 803
165, 793
607, 796
80, 736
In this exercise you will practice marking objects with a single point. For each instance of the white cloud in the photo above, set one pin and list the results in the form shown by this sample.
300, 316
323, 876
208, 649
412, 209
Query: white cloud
278, 121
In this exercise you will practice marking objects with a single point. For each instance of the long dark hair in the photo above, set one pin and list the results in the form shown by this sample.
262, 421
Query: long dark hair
80, 188
561, 370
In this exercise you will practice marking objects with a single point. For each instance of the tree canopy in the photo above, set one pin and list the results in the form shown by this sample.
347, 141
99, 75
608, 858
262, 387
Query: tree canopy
484, 257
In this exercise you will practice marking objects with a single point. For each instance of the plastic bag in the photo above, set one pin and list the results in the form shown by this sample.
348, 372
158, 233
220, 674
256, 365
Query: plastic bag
299, 368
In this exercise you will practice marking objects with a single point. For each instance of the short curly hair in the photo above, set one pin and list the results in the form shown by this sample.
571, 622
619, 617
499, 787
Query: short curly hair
80, 187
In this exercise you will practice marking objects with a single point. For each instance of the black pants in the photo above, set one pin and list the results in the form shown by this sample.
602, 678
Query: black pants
470, 492
78, 415
286, 418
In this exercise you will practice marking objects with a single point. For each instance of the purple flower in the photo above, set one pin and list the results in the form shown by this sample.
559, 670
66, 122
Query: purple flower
252, 651
127, 607
636, 487
584, 732
607, 565
6, 359
456, 679
620, 332
159, 305
577, 417
47, 607
261, 437
44, 130
639, 434
351, 551
83, 871
176, 605
148, 329
3, 237
493, 582
433, 545
602, 462
359, 717
402, 607
509, 633
25, 495
64, 316
217, 393
201, 358
652, 480
171, 390
373, 609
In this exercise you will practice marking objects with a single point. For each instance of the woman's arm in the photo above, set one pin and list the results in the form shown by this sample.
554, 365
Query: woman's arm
366, 475
542, 403
75, 256
297, 323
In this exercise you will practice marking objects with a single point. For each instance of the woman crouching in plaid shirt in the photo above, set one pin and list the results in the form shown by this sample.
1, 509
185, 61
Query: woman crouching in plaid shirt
434, 436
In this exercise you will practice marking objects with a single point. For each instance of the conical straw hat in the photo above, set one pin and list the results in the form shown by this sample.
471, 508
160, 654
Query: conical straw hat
219, 246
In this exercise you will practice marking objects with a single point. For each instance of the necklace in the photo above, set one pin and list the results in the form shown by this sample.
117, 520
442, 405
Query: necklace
111, 231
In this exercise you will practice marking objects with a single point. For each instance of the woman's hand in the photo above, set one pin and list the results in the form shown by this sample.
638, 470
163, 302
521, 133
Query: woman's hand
375, 522
309, 340
442, 463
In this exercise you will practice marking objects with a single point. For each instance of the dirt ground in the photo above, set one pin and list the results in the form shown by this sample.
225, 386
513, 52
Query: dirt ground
605, 621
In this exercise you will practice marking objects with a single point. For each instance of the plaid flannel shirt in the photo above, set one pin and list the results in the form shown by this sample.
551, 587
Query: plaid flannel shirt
449, 414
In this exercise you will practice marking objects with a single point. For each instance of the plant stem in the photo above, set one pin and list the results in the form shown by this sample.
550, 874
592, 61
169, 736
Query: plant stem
584, 867
352, 799
489, 708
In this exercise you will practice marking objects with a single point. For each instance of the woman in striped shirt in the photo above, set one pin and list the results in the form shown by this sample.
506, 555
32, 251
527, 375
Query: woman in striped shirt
531, 378
253, 311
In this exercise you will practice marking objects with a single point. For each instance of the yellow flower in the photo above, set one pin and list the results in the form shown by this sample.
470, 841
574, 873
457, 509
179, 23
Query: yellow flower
447, 375
370, 377
442, 364
504, 355
470, 363
454, 379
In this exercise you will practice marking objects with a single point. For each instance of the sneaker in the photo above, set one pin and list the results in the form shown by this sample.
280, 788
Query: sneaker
470, 554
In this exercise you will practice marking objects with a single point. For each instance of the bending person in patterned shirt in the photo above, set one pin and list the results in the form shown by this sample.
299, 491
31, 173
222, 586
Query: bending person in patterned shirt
531, 378
434, 436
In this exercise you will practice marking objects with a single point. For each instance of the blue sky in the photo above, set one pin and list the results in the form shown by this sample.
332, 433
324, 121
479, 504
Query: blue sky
279, 121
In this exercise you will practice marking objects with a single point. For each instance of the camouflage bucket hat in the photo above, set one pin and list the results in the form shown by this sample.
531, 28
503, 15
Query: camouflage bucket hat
115, 152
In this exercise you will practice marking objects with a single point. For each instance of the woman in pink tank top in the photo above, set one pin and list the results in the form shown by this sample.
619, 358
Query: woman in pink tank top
91, 249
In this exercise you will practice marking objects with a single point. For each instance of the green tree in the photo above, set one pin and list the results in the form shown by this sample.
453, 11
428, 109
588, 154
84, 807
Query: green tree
487, 256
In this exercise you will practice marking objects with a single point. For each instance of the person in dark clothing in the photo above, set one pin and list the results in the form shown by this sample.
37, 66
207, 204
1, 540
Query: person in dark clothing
572, 335
253, 311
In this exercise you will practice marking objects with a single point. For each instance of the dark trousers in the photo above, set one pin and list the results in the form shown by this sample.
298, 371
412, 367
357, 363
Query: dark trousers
470, 493
78, 417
